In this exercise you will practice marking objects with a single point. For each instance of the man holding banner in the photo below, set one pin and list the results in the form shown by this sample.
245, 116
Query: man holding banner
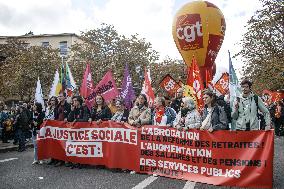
246, 107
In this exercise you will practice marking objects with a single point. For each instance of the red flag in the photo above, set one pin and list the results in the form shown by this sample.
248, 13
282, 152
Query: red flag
88, 84
170, 85
209, 79
271, 96
189, 80
277, 96
197, 84
222, 85
106, 87
147, 89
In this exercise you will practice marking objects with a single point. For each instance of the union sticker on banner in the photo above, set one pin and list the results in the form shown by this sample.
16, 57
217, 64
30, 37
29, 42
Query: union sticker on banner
84, 149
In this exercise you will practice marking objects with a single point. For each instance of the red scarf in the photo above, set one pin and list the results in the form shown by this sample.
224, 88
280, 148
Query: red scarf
159, 114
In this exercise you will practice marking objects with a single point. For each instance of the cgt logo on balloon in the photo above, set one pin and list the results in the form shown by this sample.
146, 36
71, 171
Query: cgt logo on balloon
189, 32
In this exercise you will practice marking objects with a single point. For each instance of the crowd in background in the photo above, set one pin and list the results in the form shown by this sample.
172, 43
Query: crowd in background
22, 123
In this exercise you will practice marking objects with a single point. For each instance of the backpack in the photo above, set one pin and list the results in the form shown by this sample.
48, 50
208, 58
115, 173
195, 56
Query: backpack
226, 106
259, 116
219, 112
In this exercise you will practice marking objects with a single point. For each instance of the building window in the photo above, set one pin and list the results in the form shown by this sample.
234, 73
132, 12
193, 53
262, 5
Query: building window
63, 48
45, 44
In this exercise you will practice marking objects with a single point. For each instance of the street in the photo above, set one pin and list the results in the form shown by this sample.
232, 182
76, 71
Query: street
16, 171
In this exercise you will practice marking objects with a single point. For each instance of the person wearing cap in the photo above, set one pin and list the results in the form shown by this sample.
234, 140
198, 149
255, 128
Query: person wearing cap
140, 114
188, 117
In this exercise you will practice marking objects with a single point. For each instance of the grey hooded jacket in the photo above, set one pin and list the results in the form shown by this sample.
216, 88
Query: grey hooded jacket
247, 113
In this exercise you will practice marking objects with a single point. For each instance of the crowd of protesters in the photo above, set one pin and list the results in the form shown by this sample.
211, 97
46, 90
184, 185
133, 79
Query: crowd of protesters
23, 122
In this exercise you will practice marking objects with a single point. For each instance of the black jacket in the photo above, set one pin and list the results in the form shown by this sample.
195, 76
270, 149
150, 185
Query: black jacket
79, 114
38, 118
22, 120
104, 114
273, 111
176, 104
67, 110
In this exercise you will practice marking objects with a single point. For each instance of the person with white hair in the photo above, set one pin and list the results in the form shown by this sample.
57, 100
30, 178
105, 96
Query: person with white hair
188, 117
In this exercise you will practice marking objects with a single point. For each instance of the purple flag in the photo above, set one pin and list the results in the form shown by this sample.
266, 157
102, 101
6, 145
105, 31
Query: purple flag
127, 91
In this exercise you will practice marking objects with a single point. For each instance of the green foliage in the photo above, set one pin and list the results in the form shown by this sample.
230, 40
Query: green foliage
105, 49
262, 47
102, 47
22, 66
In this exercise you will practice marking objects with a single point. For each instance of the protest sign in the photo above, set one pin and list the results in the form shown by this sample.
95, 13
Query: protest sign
231, 158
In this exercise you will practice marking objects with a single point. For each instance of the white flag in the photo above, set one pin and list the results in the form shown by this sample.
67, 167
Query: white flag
38, 94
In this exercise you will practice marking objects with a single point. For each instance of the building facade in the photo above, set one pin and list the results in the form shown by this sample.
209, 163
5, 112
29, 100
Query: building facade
62, 41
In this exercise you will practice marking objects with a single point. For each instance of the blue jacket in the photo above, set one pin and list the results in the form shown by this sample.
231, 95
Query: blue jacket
3, 117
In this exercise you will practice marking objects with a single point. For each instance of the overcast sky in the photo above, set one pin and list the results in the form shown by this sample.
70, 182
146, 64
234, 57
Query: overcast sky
151, 19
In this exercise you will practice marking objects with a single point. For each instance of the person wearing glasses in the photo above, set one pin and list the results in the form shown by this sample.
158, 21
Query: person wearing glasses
246, 107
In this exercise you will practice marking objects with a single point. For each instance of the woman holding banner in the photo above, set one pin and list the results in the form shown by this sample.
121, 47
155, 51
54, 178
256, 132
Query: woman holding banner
162, 115
50, 110
213, 117
188, 117
38, 116
140, 114
100, 112
121, 114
